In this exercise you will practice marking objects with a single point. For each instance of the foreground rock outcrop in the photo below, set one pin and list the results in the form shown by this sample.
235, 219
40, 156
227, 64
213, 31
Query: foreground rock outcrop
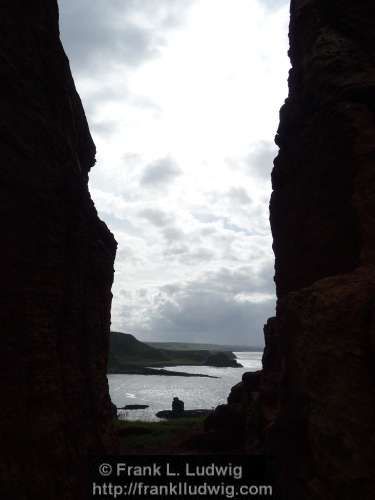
56, 268
318, 383
316, 407
236, 425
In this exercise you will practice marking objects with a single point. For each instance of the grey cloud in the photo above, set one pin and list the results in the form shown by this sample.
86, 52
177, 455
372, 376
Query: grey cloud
104, 94
228, 305
104, 128
236, 195
145, 103
172, 234
235, 228
212, 318
274, 4
208, 231
259, 161
207, 217
160, 173
96, 32
207, 311
266, 276
127, 255
244, 279
176, 250
156, 217
200, 254
189, 256
119, 91
120, 224
239, 196
132, 159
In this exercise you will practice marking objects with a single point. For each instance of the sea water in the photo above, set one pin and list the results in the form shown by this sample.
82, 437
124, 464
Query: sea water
157, 391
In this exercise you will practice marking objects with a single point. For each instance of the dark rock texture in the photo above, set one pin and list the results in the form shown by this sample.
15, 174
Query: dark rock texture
226, 428
56, 268
318, 385
272, 373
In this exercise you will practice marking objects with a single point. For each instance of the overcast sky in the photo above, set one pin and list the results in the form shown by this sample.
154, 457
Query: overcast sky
182, 98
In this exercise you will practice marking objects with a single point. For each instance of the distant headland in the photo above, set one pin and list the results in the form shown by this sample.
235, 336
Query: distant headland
129, 355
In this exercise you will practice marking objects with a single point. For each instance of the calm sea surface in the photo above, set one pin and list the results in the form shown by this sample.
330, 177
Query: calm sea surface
197, 392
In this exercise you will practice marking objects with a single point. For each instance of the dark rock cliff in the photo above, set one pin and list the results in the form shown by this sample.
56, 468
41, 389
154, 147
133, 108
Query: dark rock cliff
56, 267
318, 383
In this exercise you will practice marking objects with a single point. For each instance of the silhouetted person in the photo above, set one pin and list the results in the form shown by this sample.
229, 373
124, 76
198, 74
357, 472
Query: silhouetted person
178, 406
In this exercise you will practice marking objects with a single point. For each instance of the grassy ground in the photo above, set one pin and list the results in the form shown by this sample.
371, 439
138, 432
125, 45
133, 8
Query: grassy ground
157, 437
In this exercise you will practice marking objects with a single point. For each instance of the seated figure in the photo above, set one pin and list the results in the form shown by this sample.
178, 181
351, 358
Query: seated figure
178, 406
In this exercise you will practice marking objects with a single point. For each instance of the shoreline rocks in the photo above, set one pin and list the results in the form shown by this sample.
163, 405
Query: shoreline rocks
169, 414
133, 407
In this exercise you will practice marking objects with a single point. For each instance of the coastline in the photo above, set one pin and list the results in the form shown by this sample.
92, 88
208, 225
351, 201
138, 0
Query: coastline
140, 370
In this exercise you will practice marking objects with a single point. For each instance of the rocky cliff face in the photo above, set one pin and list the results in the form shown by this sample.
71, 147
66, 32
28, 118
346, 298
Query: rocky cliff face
319, 376
56, 267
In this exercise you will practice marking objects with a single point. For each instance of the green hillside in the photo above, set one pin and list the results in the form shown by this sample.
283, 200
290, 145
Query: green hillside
195, 346
129, 355
127, 349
